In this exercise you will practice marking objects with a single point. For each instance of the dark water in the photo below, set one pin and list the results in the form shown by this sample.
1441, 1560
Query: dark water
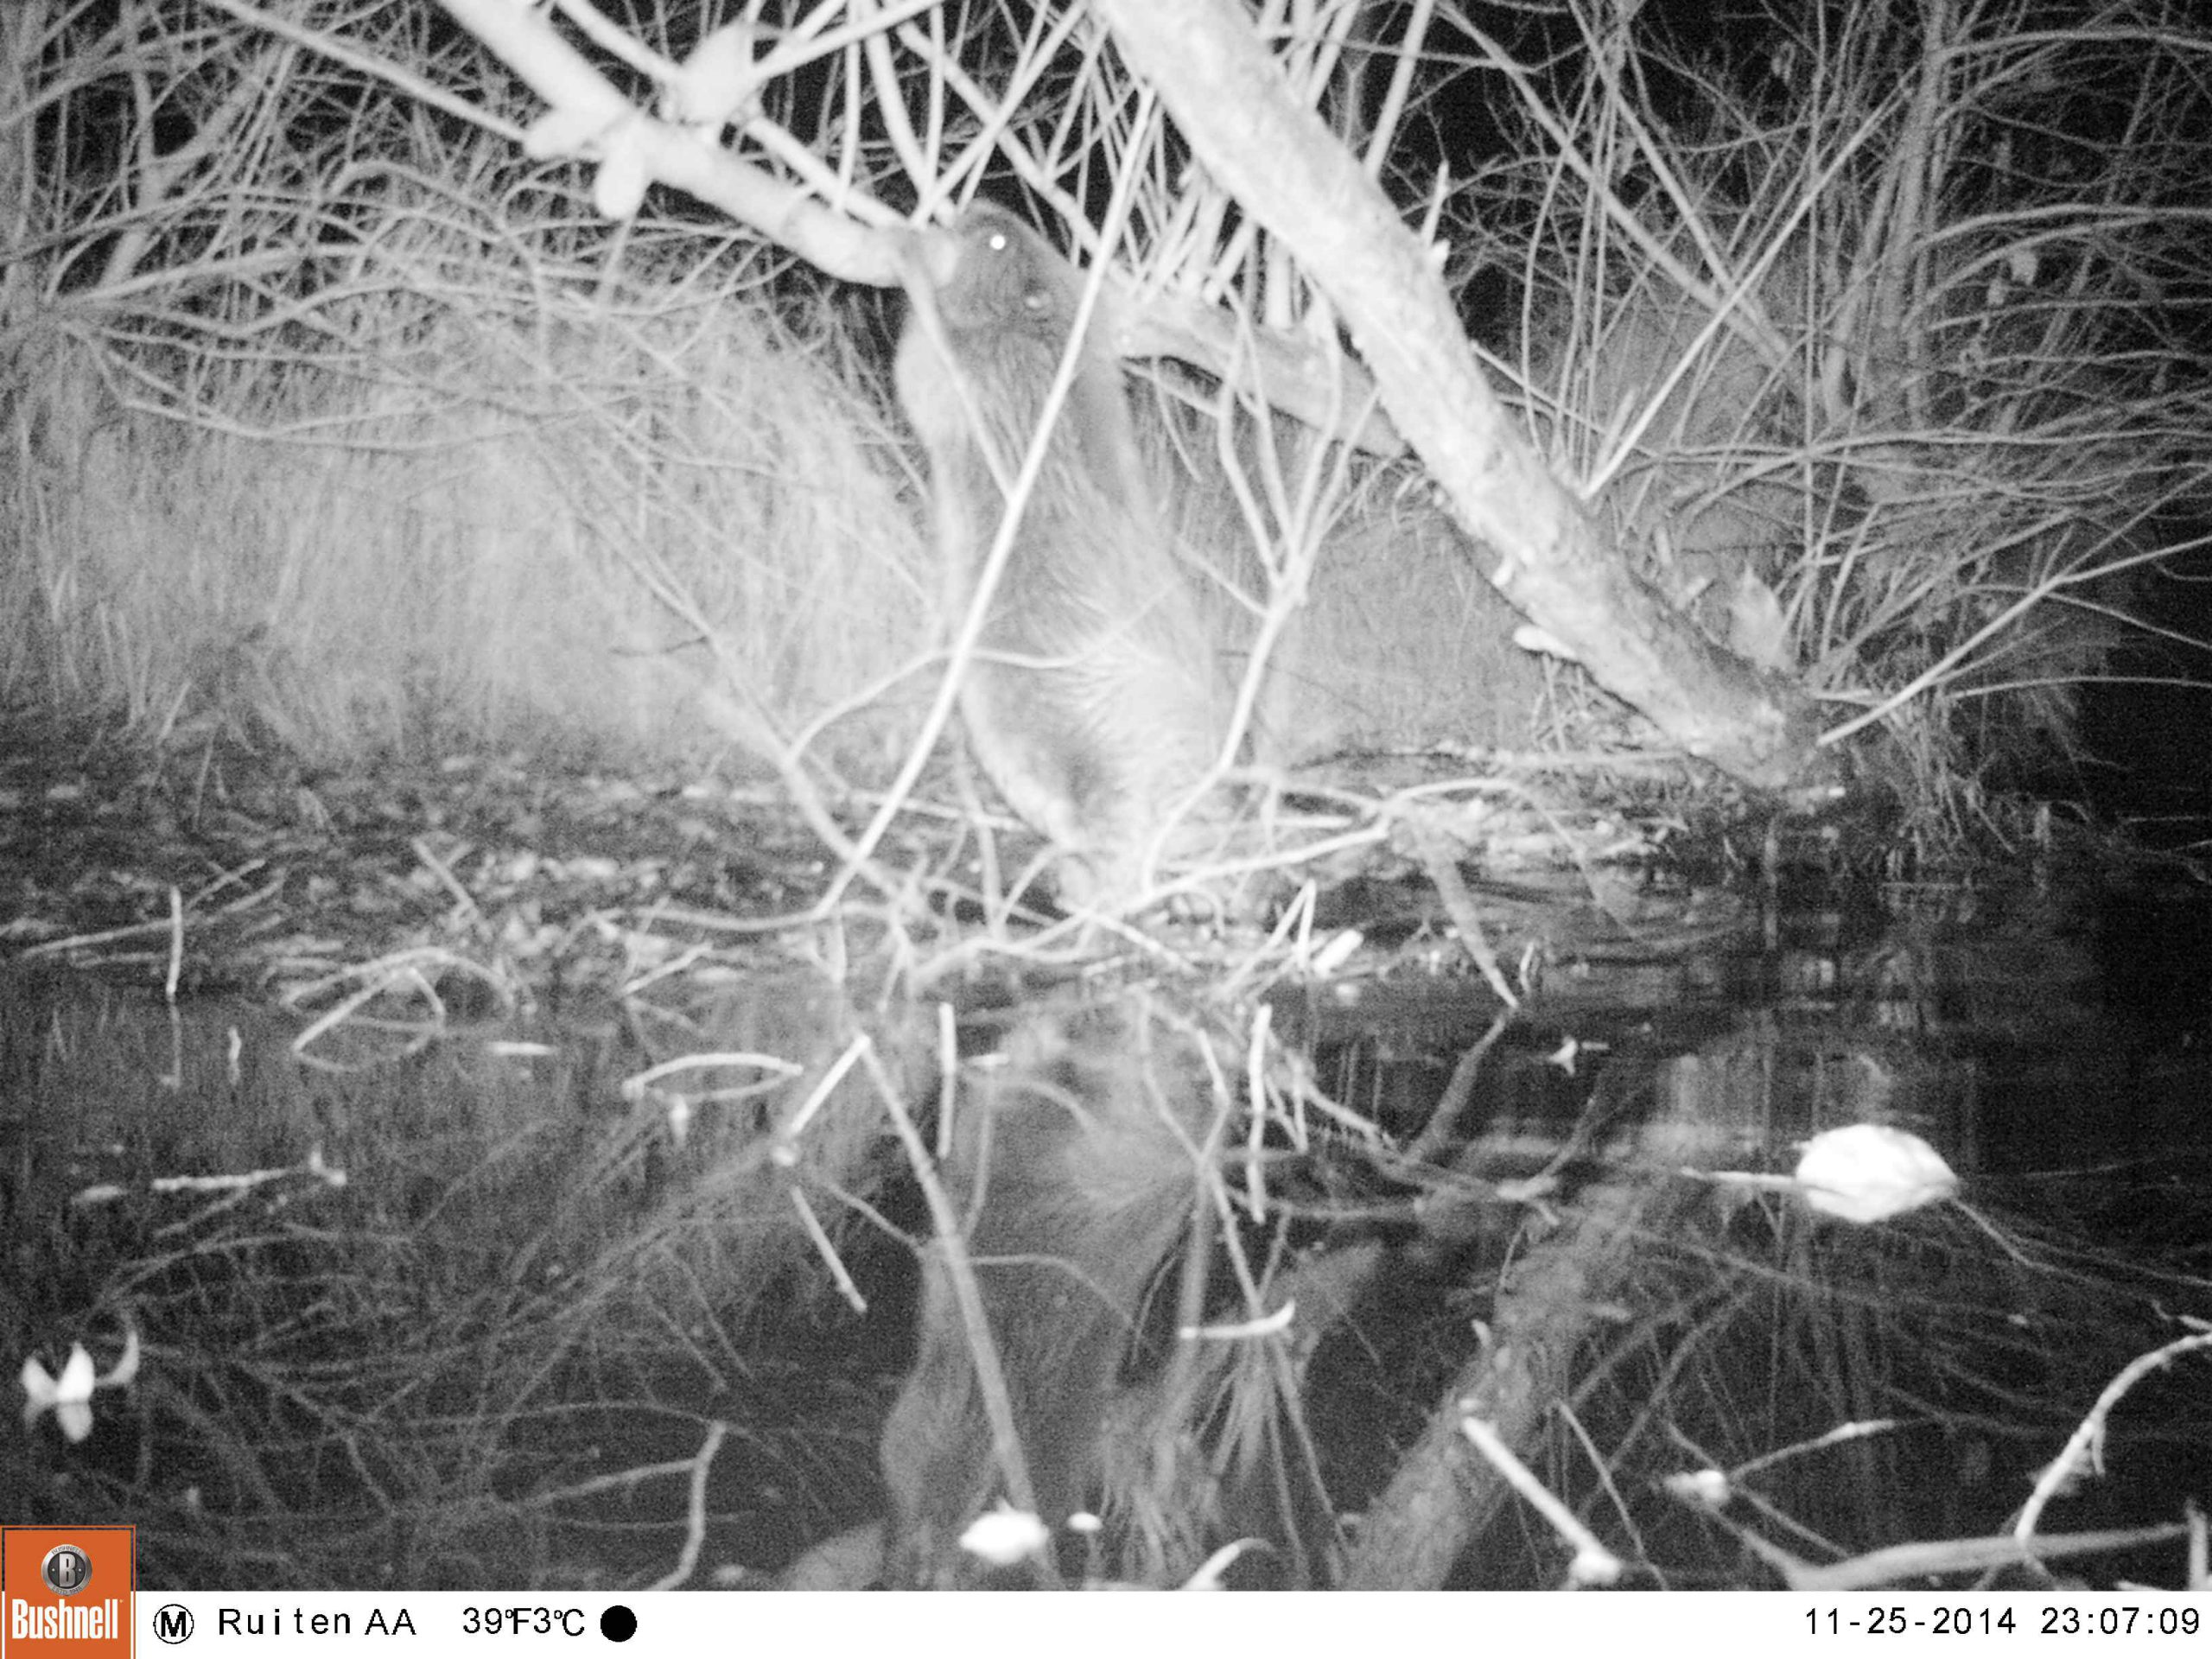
456, 1316
533, 1302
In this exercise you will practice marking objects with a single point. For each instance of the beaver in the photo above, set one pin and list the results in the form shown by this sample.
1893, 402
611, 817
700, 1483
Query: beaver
1074, 1160
1094, 702
1083, 1154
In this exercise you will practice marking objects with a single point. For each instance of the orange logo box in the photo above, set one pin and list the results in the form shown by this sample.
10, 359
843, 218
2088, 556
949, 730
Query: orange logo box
66, 1592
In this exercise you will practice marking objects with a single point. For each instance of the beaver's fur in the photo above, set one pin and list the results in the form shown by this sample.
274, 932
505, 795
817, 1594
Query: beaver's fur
1094, 702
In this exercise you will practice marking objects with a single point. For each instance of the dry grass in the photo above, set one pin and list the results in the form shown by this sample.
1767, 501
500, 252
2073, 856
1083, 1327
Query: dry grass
1874, 351
553, 532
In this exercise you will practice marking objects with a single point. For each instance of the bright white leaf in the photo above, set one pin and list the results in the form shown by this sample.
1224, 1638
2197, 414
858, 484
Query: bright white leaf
1707, 1488
69, 1399
1759, 628
1003, 1535
1870, 1172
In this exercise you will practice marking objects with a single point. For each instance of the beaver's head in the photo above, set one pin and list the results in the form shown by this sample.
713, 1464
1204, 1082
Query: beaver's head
992, 272
985, 342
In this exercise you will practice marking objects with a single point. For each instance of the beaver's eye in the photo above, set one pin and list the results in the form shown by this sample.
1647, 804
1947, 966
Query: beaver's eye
996, 241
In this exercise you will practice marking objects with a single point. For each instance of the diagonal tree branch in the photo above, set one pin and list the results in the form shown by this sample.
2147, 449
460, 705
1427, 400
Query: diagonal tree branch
1281, 161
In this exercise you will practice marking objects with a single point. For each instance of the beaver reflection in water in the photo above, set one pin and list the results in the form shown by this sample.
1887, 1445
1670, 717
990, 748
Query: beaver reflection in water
1075, 1160
1092, 702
